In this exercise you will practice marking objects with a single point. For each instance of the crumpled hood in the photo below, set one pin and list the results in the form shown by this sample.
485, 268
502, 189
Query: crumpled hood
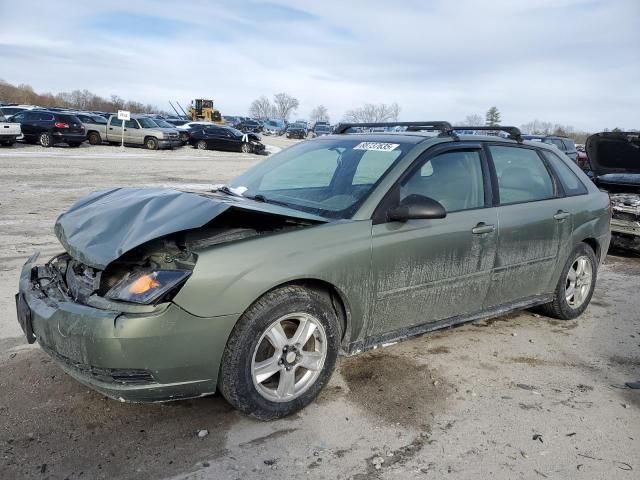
614, 153
101, 227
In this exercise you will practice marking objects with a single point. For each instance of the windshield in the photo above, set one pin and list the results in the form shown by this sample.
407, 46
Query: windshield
147, 123
330, 178
296, 125
162, 123
322, 128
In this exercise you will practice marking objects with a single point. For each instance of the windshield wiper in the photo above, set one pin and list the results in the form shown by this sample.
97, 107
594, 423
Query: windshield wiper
261, 198
227, 189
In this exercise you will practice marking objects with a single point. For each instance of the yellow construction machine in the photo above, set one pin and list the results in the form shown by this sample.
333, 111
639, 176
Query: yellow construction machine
203, 110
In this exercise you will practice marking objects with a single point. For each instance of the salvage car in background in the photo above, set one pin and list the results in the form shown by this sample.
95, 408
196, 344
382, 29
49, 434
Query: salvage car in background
248, 126
564, 144
143, 131
254, 288
297, 130
9, 132
218, 137
49, 128
95, 125
274, 127
614, 159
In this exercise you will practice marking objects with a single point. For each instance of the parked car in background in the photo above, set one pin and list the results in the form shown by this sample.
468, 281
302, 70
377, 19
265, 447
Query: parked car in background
255, 288
297, 130
614, 165
221, 137
10, 110
9, 132
142, 131
50, 128
564, 144
581, 157
186, 129
321, 129
274, 127
249, 126
95, 126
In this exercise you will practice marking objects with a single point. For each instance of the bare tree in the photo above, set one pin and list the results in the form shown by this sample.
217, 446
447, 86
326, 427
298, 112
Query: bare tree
284, 105
261, 108
319, 114
370, 113
473, 120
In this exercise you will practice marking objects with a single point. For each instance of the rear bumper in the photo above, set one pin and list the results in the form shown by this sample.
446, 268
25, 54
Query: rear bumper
68, 137
167, 354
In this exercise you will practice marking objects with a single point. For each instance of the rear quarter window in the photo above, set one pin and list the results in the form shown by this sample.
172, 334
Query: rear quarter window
568, 179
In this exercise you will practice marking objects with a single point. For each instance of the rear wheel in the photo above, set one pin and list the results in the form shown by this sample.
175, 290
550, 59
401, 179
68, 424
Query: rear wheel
45, 139
281, 353
575, 286
202, 145
246, 148
95, 138
151, 143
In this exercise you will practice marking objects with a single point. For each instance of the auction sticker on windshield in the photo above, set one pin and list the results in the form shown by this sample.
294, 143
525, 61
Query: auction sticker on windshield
377, 146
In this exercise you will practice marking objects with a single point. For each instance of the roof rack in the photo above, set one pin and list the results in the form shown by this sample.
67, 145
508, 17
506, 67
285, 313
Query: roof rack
445, 128
514, 132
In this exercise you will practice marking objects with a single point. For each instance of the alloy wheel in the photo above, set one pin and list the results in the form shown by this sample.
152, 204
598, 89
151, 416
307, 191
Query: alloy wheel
202, 145
578, 282
289, 357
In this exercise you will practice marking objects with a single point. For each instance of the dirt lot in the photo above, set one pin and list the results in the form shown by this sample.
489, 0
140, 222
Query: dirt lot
521, 396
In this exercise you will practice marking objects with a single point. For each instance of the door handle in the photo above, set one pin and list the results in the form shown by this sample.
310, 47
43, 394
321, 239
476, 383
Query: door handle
561, 215
110, 128
482, 228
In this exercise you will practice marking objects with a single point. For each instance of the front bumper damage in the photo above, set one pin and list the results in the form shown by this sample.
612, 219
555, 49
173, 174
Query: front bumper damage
625, 222
162, 354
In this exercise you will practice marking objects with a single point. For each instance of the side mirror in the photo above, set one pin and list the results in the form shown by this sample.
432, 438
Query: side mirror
417, 207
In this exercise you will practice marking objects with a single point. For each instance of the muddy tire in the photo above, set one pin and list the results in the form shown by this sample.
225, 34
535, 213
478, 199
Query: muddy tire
45, 139
95, 138
201, 145
281, 353
575, 286
246, 148
151, 143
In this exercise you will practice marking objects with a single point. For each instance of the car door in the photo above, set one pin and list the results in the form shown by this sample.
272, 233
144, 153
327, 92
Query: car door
426, 271
114, 130
133, 134
532, 223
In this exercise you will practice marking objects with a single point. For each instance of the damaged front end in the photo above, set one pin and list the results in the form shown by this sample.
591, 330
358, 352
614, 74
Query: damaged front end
625, 221
614, 158
104, 309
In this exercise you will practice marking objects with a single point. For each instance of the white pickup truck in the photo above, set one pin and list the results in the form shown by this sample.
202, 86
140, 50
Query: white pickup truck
9, 132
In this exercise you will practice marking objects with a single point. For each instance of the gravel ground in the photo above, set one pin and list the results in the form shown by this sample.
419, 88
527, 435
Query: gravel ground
521, 396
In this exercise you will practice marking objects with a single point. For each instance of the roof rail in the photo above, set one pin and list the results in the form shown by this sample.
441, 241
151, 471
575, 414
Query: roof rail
445, 128
514, 132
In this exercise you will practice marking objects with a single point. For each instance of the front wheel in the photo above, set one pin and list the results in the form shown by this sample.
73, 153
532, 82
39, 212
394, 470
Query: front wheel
45, 139
575, 286
281, 353
151, 143
202, 145
246, 148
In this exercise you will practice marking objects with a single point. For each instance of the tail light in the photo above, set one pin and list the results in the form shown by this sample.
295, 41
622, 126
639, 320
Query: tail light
61, 125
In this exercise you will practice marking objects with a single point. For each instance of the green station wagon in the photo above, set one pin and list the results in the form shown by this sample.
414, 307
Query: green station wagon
335, 245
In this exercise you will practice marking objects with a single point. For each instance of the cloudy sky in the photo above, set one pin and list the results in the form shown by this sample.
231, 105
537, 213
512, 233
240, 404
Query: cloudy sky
567, 61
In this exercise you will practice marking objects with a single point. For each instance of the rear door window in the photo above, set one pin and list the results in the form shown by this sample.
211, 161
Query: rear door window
570, 182
522, 175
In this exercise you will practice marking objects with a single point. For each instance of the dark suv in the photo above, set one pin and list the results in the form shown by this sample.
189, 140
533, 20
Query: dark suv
564, 144
48, 128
